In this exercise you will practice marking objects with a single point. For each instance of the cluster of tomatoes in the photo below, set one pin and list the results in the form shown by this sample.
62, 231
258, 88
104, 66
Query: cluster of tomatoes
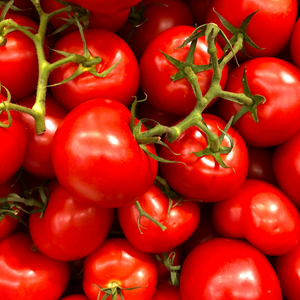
108, 202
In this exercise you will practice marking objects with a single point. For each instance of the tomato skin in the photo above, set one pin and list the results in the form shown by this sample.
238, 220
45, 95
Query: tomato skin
116, 260
183, 220
228, 269
121, 84
279, 117
19, 261
286, 161
69, 230
37, 158
160, 16
203, 179
97, 159
166, 291
261, 213
175, 97
287, 269
277, 18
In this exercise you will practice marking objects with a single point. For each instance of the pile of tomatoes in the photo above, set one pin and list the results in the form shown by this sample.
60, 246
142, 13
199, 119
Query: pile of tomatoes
124, 178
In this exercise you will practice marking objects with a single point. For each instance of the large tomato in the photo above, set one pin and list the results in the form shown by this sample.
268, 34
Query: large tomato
28, 274
121, 84
174, 97
180, 221
262, 214
116, 263
97, 159
202, 178
276, 18
279, 117
69, 230
222, 268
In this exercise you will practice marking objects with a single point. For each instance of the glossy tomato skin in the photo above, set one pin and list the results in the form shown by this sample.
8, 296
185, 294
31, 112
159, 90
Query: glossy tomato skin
277, 18
286, 166
174, 97
37, 158
20, 261
160, 16
287, 269
69, 230
203, 179
166, 291
261, 213
117, 261
228, 269
279, 117
121, 84
97, 159
182, 222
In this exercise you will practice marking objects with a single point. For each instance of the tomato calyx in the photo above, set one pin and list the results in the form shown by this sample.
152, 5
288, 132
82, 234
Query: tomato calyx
114, 289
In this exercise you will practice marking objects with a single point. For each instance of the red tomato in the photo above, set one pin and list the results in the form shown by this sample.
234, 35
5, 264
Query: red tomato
15, 139
199, 10
121, 84
287, 267
174, 97
279, 117
159, 16
116, 263
295, 44
277, 18
228, 269
166, 291
262, 214
106, 7
28, 274
97, 159
69, 230
146, 236
203, 179
75, 297
286, 162
37, 158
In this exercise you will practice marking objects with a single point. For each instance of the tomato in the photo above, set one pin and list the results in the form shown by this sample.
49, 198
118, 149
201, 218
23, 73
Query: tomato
159, 16
97, 159
106, 7
287, 269
112, 22
121, 84
15, 139
277, 18
116, 263
28, 274
165, 291
202, 178
75, 297
279, 117
16, 56
222, 268
69, 230
146, 236
37, 158
295, 44
174, 97
262, 214
199, 10
286, 161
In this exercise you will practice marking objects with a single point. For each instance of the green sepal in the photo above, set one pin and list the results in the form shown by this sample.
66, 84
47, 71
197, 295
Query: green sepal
7, 6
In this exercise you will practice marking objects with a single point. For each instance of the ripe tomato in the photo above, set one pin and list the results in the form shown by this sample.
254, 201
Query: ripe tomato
166, 291
121, 84
116, 263
261, 213
159, 16
277, 18
222, 268
69, 230
37, 158
174, 97
202, 178
146, 236
295, 44
279, 117
28, 274
97, 159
